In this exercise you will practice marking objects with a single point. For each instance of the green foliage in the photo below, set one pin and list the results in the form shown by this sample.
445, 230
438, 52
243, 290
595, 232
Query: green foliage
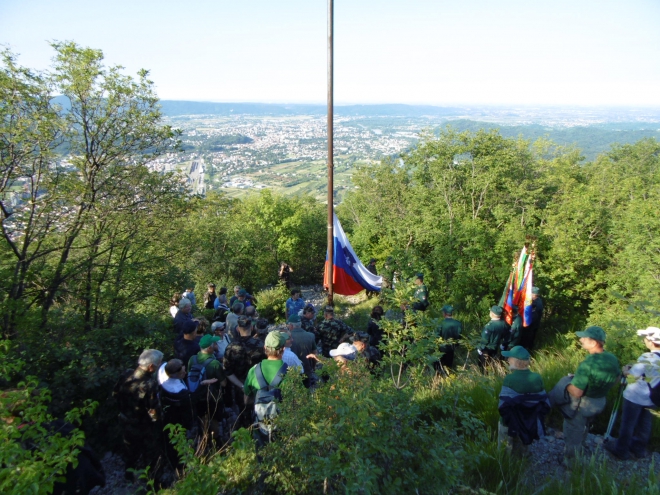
32, 459
272, 303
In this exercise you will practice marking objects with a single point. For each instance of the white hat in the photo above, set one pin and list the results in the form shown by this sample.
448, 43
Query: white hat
218, 324
345, 350
651, 333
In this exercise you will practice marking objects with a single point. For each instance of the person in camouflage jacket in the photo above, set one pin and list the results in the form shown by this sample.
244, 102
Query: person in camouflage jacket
139, 412
308, 321
242, 354
331, 331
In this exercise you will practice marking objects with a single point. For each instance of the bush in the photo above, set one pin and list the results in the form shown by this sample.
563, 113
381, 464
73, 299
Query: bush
272, 303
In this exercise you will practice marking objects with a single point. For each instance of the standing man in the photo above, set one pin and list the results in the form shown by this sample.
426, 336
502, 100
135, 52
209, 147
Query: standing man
308, 320
209, 297
190, 294
450, 329
372, 268
182, 316
529, 333
209, 393
285, 273
331, 331
186, 345
295, 303
139, 412
594, 377
421, 294
491, 336
304, 343
514, 336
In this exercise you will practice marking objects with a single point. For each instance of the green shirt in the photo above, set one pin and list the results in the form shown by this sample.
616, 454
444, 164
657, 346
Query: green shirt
524, 382
422, 296
269, 368
213, 369
516, 332
492, 334
597, 374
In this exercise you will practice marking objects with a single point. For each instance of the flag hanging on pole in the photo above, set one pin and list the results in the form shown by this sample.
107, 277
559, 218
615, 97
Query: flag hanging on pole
518, 289
349, 275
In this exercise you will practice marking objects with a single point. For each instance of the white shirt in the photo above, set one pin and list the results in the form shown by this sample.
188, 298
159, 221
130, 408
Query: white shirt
291, 359
646, 368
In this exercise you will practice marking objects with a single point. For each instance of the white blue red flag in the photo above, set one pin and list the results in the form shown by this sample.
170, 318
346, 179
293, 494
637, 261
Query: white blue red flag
349, 275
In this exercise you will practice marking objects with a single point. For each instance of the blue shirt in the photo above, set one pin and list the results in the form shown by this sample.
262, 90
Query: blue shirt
294, 307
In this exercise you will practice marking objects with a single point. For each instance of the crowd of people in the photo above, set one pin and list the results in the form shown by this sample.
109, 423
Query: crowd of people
237, 362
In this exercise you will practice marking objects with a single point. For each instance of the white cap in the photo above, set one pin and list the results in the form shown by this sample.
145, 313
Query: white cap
346, 350
651, 333
217, 324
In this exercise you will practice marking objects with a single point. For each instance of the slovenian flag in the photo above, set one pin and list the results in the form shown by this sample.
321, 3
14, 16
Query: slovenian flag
349, 275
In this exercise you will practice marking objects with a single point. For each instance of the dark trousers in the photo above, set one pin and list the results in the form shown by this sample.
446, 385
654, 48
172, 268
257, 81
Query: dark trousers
142, 447
635, 430
527, 337
486, 357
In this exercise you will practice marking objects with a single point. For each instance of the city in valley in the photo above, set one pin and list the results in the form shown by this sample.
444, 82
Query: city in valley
241, 153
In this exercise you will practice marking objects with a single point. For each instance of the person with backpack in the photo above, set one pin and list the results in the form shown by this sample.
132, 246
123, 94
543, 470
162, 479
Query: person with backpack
206, 377
240, 356
638, 398
262, 383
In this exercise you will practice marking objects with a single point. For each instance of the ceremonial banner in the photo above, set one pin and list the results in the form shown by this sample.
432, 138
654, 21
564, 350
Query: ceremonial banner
349, 275
518, 289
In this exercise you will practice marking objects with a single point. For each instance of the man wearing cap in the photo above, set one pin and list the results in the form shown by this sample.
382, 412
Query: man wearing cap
529, 333
209, 297
491, 336
218, 328
523, 402
594, 377
331, 330
636, 419
449, 329
308, 320
343, 354
303, 343
241, 355
209, 398
361, 342
295, 303
514, 336
186, 345
421, 294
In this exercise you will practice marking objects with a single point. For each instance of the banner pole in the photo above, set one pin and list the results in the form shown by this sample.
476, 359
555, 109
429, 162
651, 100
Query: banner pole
331, 242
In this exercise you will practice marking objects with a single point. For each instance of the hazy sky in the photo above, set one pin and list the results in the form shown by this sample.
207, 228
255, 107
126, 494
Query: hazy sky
564, 52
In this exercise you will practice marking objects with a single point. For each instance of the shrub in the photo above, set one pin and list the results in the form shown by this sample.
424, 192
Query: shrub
272, 303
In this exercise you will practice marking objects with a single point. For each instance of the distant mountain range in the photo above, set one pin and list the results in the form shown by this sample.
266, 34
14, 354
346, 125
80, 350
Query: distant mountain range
175, 108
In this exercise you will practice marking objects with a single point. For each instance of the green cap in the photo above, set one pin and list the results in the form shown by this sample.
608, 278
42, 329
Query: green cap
448, 308
596, 333
242, 292
294, 318
536, 290
276, 340
518, 352
496, 310
208, 340
420, 276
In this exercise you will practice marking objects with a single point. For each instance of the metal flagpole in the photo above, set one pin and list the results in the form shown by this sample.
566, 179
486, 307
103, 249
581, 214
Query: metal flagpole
331, 241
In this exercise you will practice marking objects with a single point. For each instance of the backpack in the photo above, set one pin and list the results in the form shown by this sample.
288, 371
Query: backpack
197, 372
266, 399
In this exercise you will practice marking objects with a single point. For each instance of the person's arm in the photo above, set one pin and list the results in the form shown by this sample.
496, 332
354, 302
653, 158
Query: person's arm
235, 381
574, 391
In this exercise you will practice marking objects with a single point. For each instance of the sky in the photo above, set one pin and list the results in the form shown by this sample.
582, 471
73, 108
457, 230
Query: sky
438, 52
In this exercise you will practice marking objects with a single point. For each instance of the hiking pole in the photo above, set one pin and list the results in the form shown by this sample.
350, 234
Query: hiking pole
615, 409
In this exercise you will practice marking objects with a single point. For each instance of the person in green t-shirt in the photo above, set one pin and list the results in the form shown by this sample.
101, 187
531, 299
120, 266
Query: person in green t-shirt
594, 377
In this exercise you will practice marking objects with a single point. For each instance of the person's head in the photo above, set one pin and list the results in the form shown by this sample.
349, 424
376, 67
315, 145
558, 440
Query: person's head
377, 312
189, 329
283, 264
203, 325
238, 308
419, 279
448, 310
242, 294
211, 287
274, 344
329, 313
372, 261
236, 289
295, 294
251, 312
175, 299
651, 338
175, 369
190, 288
244, 326
536, 292
343, 353
360, 341
223, 290
208, 344
150, 360
518, 358
185, 306
496, 312
293, 322
309, 312
592, 339
218, 328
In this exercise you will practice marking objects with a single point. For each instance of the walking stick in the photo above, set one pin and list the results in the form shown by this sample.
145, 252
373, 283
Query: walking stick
615, 409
